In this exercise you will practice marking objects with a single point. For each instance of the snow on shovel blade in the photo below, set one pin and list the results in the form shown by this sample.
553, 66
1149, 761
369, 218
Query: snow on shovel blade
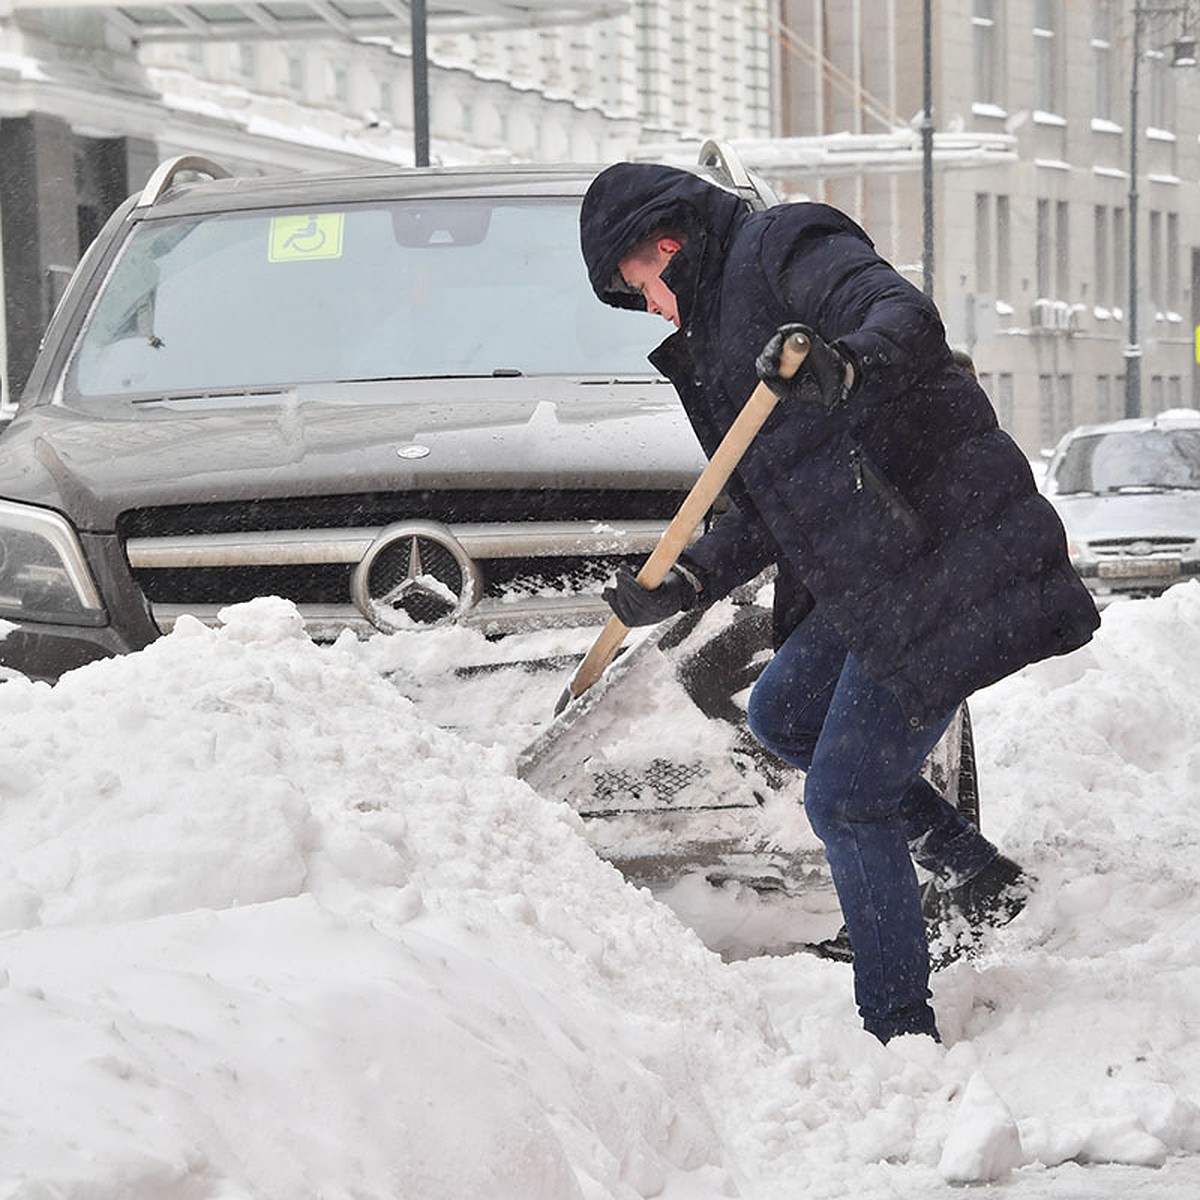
658, 760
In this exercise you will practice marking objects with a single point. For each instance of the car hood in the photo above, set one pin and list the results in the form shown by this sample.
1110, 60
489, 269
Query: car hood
398, 435
1129, 514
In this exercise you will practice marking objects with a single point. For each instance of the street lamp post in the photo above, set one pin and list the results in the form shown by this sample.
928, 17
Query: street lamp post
1133, 347
420, 82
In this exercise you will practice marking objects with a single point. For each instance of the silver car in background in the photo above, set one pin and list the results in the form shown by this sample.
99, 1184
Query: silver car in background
1128, 493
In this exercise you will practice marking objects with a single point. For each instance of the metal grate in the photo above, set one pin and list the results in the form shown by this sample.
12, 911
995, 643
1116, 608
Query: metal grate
661, 777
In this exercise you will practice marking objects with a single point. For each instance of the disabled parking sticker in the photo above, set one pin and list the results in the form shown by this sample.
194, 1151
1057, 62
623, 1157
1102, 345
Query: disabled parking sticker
296, 238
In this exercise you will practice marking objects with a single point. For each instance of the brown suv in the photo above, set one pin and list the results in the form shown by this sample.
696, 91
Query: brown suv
389, 397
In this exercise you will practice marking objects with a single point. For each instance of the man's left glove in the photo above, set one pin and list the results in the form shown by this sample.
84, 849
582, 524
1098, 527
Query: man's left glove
826, 376
636, 605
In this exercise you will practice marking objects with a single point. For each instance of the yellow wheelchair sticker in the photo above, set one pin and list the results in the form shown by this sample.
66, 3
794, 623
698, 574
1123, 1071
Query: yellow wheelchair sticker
299, 238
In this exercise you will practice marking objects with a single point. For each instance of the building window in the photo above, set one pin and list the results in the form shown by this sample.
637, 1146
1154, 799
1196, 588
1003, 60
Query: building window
1120, 248
247, 60
993, 246
295, 72
340, 84
1104, 395
1173, 253
1102, 61
985, 41
1102, 257
1062, 251
1046, 411
1155, 249
1044, 250
1045, 54
1003, 249
983, 243
387, 100
1157, 395
1160, 92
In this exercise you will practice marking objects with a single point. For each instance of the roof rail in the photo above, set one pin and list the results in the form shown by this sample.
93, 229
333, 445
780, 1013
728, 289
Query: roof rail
165, 173
727, 160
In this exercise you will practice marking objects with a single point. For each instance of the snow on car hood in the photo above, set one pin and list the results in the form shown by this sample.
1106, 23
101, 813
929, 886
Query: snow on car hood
1130, 514
386, 436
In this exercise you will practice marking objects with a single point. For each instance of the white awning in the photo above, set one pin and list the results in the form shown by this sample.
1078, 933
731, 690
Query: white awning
164, 20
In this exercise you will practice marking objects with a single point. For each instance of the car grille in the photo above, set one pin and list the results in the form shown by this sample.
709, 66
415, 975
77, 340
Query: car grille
1138, 566
383, 508
1140, 546
500, 561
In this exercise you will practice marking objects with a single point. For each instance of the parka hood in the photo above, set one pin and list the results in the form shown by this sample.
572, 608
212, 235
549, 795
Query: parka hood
627, 201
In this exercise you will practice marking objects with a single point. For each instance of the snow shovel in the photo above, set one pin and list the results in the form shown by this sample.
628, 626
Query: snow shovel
691, 512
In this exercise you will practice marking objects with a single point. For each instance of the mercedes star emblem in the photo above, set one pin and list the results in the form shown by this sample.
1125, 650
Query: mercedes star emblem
415, 573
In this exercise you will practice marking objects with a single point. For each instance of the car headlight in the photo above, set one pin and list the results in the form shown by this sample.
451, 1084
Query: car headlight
43, 574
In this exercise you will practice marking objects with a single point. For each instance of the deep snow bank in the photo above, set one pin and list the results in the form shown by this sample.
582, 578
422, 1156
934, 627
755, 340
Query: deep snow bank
283, 936
271, 933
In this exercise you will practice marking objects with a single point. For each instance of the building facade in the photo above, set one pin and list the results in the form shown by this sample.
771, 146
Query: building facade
1032, 259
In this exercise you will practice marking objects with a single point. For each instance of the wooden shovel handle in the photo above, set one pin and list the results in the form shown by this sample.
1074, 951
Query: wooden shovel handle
691, 512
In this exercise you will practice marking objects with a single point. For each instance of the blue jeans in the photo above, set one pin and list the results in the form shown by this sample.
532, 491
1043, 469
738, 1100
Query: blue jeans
815, 708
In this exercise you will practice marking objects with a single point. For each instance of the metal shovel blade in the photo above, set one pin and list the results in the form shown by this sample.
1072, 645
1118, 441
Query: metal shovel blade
658, 761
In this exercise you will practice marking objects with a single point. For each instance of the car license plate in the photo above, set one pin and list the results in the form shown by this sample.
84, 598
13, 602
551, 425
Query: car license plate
1139, 568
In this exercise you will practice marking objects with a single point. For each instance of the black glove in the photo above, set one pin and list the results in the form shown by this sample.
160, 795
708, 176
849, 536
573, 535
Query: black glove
822, 379
636, 605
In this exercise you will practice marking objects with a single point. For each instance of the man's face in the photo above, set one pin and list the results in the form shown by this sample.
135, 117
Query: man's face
643, 273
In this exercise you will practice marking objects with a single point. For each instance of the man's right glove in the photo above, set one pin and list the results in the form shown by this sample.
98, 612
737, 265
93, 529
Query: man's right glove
635, 605
824, 378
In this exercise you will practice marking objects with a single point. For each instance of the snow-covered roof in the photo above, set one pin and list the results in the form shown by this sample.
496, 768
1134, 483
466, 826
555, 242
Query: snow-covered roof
850, 153
168, 20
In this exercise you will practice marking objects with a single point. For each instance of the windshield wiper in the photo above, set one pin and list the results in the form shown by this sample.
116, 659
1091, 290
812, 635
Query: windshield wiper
622, 380
211, 394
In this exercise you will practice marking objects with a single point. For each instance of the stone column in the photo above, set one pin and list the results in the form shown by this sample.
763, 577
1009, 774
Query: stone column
39, 228
56, 191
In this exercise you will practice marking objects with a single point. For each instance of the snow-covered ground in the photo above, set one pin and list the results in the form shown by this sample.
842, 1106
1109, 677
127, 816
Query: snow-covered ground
271, 932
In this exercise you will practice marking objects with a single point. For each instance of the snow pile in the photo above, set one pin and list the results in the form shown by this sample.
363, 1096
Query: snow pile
270, 932
286, 937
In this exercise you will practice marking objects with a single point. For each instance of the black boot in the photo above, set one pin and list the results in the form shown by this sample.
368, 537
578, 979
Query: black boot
837, 947
958, 917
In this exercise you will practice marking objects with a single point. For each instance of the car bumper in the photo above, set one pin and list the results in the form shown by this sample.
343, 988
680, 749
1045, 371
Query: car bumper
1131, 579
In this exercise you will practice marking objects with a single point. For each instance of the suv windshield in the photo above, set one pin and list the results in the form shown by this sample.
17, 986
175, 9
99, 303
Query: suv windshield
1108, 462
408, 289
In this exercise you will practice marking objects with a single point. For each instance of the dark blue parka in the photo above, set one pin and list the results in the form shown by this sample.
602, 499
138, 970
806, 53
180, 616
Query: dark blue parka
905, 512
